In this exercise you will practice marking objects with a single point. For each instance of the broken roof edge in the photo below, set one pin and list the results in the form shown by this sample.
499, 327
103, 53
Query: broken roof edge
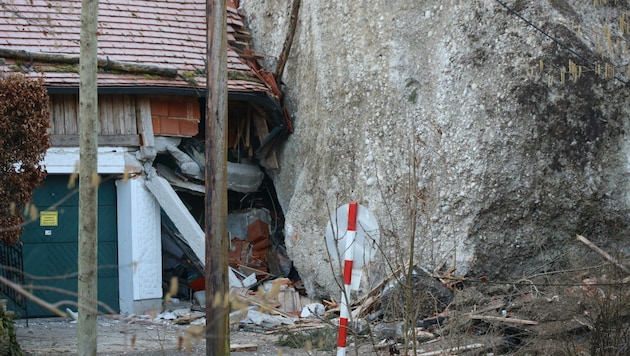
259, 97
131, 90
103, 63
266, 101
39, 64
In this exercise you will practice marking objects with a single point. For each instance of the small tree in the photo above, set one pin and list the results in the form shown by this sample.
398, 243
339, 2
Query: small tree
24, 139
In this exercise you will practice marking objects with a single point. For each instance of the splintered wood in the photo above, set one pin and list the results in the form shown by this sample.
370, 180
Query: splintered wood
243, 347
603, 253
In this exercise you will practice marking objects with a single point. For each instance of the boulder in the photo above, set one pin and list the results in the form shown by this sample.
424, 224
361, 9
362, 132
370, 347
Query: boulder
461, 126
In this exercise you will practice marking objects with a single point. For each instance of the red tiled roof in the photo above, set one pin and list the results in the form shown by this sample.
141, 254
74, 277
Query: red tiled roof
163, 33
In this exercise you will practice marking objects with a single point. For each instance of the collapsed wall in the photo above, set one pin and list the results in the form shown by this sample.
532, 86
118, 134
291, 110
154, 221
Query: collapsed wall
463, 113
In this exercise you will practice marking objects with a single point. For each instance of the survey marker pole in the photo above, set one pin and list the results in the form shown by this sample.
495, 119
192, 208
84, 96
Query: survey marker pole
348, 256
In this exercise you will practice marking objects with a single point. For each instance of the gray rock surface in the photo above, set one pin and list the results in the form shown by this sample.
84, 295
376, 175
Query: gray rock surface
456, 110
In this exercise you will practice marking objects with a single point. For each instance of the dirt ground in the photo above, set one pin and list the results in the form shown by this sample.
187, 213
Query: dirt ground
568, 314
58, 336
571, 313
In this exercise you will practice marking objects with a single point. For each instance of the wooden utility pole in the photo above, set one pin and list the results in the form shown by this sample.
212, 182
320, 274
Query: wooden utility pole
217, 296
88, 182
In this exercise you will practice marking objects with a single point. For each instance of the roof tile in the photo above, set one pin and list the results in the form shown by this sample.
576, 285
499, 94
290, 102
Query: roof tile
169, 33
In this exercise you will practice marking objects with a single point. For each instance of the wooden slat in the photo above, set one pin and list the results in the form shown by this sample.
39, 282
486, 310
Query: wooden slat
145, 127
118, 114
262, 131
57, 122
105, 115
71, 114
243, 347
129, 115
103, 140
51, 127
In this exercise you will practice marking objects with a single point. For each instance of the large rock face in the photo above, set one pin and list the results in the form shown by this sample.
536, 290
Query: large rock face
457, 111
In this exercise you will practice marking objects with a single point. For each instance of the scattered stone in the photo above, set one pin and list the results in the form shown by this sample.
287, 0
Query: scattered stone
313, 310
72, 314
429, 296
266, 320
166, 316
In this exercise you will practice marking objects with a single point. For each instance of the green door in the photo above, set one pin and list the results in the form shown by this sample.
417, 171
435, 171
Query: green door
51, 243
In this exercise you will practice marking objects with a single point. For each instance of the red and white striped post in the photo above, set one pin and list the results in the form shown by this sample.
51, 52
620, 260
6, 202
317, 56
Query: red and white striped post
347, 278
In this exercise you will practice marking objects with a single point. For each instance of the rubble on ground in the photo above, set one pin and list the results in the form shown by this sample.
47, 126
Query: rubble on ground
575, 310
554, 311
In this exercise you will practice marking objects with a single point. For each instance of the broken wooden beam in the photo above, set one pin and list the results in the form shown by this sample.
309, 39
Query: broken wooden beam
453, 350
144, 124
288, 42
103, 63
603, 253
502, 319
268, 159
298, 327
243, 347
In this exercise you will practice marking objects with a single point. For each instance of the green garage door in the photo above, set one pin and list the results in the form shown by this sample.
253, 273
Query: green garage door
51, 243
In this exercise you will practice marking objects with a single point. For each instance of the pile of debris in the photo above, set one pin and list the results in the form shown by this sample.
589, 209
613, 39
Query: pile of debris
427, 312
275, 306
547, 313
266, 307
255, 220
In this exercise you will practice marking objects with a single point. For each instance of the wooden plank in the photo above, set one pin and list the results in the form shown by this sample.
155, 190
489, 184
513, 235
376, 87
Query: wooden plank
366, 307
493, 306
603, 253
298, 327
145, 127
188, 318
71, 114
502, 319
103, 140
105, 113
262, 131
289, 300
129, 115
246, 270
288, 41
453, 350
57, 121
243, 347
51, 128
118, 113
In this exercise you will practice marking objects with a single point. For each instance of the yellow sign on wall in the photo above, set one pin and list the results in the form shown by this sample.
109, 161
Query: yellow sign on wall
48, 218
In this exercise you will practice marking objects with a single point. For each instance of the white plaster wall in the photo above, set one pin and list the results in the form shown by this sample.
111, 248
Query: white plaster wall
64, 160
139, 244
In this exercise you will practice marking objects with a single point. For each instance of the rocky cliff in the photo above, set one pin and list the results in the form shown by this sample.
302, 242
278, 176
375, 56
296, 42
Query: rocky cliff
501, 124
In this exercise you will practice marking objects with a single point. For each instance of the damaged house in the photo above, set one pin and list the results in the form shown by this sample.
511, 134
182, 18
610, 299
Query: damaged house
151, 83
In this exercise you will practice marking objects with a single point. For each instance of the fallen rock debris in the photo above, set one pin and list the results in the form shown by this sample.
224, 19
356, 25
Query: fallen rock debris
276, 307
483, 316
